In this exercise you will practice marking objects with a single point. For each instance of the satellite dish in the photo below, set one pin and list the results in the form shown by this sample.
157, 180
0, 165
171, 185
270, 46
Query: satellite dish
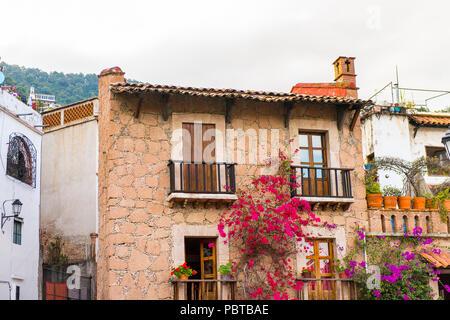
2, 77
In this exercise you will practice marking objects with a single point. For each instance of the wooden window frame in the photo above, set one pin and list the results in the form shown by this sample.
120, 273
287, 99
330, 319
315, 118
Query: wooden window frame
316, 257
206, 290
325, 147
441, 149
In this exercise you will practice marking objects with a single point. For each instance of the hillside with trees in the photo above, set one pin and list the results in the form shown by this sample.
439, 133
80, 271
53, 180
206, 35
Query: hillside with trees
66, 87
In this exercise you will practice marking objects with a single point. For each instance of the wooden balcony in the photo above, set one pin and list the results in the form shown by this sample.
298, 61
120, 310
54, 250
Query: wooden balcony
206, 289
202, 182
328, 289
329, 188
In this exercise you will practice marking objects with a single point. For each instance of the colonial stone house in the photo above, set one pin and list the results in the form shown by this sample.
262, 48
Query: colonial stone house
166, 154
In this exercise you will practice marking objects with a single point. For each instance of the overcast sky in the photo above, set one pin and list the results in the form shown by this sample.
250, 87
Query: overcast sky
261, 45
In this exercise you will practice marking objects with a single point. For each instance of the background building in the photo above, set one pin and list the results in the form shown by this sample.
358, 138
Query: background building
41, 102
20, 171
69, 196
405, 135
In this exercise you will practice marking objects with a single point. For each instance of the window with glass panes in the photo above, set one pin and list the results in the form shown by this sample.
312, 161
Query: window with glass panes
321, 259
439, 153
313, 154
17, 232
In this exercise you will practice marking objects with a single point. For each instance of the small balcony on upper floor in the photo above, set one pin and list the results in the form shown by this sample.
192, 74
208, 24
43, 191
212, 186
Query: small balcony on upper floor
329, 188
201, 182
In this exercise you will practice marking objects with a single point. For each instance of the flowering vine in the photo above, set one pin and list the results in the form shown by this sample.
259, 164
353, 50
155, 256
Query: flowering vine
263, 225
403, 275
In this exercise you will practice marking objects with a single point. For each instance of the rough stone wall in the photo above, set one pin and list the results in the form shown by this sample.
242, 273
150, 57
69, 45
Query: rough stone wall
135, 220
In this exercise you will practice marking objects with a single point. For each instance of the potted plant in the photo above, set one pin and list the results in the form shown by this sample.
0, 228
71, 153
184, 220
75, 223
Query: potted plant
373, 193
339, 269
404, 202
431, 201
307, 272
225, 271
443, 199
413, 175
183, 271
390, 195
419, 202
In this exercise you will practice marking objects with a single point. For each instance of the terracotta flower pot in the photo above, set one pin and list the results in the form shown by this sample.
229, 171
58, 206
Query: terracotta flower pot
404, 203
183, 277
419, 203
447, 204
374, 200
306, 275
430, 205
342, 275
390, 202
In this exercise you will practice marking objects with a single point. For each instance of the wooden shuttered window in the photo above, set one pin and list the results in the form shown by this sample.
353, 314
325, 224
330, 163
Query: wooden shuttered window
199, 155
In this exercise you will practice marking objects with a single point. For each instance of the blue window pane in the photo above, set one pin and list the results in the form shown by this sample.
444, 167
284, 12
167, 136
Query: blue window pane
304, 155
303, 139
316, 141
317, 156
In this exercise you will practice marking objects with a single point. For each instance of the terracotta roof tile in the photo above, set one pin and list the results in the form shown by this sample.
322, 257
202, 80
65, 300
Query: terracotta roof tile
266, 96
438, 120
438, 260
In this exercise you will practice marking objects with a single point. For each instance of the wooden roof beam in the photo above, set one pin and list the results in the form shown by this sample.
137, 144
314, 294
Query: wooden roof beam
138, 110
229, 106
355, 118
289, 108
166, 109
340, 116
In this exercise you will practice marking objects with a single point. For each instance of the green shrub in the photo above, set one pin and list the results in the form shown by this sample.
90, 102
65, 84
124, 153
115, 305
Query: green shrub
392, 191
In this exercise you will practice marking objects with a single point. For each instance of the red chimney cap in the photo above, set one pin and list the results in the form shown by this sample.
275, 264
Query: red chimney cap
113, 70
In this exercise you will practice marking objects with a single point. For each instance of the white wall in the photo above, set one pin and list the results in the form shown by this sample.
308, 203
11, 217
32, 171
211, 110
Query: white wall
391, 135
19, 263
16, 106
69, 182
387, 136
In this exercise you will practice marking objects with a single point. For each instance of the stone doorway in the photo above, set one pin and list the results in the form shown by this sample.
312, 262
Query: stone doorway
201, 256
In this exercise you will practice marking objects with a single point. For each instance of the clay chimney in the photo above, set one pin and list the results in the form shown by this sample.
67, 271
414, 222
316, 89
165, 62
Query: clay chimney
344, 85
105, 78
344, 75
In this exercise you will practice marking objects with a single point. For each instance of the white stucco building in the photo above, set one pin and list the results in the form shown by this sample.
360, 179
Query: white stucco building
403, 135
20, 164
69, 180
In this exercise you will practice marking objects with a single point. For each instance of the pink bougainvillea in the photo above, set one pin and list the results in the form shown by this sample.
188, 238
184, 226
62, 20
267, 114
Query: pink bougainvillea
263, 224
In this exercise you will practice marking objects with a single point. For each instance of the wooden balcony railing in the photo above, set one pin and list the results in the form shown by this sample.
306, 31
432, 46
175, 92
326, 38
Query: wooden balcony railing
202, 177
206, 289
328, 289
322, 182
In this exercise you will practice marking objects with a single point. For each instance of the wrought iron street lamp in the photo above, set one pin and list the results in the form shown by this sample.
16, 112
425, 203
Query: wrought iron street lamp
446, 142
16, 208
